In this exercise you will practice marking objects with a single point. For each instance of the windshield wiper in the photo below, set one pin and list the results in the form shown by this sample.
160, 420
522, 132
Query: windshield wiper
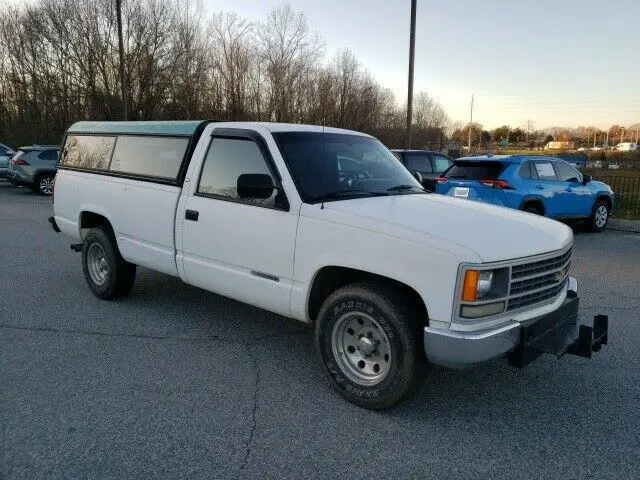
404, 188
347, 193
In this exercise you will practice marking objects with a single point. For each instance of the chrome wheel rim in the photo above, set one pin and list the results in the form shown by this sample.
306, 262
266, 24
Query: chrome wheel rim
46, 185
601, 216
361, 348
97, 264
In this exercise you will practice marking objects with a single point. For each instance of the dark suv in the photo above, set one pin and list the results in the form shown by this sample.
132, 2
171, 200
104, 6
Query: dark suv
429, 164
34, 167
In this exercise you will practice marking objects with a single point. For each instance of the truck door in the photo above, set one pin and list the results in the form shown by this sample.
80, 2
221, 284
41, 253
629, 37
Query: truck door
238, 247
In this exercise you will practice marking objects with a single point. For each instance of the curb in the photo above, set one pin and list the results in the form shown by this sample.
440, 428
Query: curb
624, 225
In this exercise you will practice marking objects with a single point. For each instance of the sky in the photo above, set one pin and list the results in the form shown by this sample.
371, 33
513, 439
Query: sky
556, 62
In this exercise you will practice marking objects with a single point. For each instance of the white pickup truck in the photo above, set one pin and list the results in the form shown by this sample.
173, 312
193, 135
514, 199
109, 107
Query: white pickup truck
327, 227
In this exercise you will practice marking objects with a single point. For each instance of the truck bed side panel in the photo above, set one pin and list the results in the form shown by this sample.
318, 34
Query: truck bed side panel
141, 213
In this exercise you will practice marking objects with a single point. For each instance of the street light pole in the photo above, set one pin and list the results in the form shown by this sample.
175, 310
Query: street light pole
412, 51
123, 90
471, 125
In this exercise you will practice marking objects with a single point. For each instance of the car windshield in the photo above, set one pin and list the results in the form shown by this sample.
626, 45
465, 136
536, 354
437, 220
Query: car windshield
337, 166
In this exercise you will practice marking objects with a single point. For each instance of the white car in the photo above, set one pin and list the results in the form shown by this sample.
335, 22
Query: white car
626, 147
262, 213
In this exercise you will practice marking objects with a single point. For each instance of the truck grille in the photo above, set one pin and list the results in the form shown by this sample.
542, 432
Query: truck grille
537, 282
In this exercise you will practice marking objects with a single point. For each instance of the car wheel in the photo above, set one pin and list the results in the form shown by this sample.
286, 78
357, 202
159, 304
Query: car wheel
532, 209
369, 342
599, 216
44, 184
107, 273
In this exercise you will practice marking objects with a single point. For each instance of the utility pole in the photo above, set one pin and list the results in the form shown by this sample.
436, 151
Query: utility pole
607, 141
123, 90
470, 125
637, 128
595, 136
621, 134
412, 51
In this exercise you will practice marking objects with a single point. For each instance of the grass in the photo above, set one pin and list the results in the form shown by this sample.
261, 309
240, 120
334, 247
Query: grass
626, 186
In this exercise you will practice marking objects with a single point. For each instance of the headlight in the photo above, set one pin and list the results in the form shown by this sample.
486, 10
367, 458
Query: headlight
484, 284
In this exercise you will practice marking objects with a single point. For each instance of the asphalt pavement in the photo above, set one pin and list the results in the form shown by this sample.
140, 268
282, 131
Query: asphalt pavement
176, 382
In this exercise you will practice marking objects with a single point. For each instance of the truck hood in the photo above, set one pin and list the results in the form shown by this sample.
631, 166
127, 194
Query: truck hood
492, 233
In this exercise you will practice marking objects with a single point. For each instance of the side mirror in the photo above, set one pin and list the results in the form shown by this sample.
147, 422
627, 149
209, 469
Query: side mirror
257, 186
586, 179
418, 176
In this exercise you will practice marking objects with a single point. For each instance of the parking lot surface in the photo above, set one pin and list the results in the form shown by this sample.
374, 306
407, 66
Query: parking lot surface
176, 382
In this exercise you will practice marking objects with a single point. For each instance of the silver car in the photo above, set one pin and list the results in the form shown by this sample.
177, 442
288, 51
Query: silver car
6, 153
34, 167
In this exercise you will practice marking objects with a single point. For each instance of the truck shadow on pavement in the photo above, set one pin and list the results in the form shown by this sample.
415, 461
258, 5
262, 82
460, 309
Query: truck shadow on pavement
491, 396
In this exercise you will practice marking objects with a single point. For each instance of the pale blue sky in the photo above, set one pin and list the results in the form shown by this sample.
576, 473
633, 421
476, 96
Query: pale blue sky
557, 62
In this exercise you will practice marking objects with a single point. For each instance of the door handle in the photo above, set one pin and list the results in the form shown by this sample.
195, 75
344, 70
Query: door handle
191, 215
539, 187
568, 189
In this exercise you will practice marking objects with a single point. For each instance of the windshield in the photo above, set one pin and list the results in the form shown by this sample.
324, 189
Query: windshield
336, 166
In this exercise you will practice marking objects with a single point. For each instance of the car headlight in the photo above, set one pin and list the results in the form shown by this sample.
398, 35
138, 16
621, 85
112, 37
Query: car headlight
485, 282
479, 287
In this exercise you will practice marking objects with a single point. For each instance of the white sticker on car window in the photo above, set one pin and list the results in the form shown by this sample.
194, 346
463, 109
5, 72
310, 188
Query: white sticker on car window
545, 170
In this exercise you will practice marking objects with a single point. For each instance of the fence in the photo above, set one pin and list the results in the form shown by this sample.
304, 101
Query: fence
626, 186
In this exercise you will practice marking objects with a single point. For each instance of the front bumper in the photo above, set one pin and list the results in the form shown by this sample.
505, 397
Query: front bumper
558, 333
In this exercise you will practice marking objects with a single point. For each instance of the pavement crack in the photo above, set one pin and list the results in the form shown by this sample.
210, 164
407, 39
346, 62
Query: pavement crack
256, 390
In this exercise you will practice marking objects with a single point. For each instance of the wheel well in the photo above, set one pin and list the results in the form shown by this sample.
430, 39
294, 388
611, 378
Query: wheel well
329, 279
606, 199
94, 220
533, 203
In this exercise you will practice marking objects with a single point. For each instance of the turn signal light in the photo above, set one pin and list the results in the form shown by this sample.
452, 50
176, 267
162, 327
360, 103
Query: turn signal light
441, 180
470, 286
20, 162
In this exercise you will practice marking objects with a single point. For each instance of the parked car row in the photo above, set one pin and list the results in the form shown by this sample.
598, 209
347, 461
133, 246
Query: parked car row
31, 166
541, 185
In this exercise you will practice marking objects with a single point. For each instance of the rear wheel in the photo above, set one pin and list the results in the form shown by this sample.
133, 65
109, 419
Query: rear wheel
599, 216
44, 184
532, 208
106, 272
369, 342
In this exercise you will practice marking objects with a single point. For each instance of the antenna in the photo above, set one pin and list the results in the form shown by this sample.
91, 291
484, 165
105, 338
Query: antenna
323, 166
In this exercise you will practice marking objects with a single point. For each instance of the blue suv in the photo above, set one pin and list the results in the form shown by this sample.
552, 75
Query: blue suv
542, 185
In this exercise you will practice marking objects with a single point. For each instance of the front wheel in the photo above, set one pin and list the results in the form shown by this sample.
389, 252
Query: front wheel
106, 272
369, 342
599, 216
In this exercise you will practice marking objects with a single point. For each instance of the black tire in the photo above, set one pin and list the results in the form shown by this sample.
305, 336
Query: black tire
119, 275
594, 222
404, 343
532, 209
44, 184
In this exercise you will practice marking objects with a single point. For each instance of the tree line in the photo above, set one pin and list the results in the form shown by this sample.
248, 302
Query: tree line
529, 137
59, 63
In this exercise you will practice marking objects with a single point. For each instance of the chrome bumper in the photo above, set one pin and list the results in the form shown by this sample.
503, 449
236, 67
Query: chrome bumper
462, 349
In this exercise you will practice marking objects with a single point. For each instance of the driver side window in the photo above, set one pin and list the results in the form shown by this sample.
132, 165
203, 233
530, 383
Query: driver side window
566, 172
